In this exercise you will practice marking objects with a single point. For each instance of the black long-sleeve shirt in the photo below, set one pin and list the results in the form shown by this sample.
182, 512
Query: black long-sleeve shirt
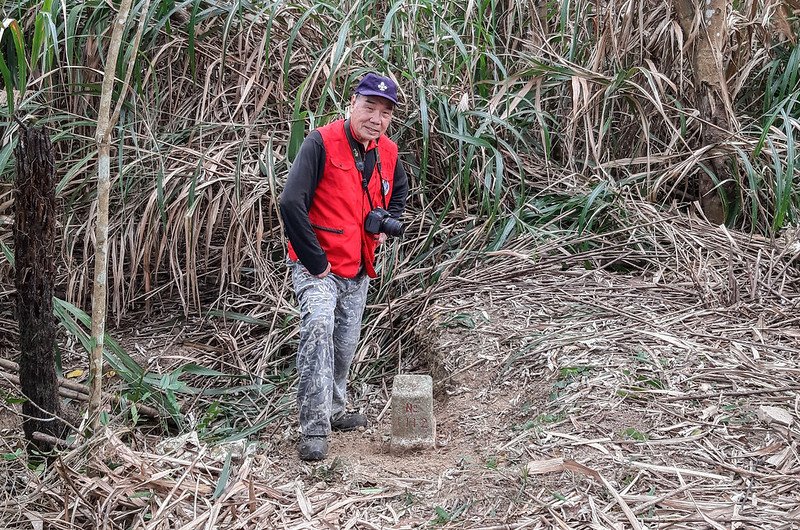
295, 201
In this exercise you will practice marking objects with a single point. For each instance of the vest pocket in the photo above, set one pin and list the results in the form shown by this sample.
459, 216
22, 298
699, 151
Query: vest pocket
343, 163
328, 229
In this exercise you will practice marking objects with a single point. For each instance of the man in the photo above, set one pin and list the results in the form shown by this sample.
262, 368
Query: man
345, 191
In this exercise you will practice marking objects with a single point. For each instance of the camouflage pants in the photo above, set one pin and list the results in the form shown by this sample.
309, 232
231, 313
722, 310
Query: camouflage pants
330, 324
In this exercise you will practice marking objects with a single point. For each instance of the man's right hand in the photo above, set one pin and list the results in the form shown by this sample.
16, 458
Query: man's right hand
324, 273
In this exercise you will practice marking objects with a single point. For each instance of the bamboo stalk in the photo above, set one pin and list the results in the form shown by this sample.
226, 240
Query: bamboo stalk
103, 139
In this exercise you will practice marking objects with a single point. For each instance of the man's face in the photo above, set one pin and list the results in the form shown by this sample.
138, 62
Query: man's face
370, 116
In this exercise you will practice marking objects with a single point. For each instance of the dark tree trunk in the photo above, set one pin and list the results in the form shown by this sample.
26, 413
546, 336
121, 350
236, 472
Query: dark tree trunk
34, 236
711, 105
707, 32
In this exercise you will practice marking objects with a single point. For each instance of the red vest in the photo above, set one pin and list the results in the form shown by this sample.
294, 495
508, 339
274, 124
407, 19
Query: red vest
340, 204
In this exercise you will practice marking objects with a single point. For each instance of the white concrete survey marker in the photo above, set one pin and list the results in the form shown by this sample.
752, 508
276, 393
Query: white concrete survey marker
413, 424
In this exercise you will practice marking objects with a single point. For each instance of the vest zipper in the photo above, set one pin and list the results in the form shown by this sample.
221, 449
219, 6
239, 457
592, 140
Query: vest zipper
326, 229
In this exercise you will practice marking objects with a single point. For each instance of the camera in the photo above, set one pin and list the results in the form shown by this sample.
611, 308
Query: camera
379, 220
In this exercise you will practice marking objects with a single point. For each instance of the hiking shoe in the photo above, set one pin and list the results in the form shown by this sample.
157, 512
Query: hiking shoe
313, 447
348, 422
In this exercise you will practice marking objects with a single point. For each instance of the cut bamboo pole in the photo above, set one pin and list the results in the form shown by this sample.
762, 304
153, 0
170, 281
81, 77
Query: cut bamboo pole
103, 138
72, 390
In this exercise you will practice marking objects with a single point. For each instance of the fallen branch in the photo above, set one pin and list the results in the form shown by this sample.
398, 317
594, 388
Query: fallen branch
53, 441
11, 381
72, 390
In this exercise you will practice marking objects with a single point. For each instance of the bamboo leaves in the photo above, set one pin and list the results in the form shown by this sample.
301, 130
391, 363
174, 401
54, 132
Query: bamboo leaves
45, 38
18, 65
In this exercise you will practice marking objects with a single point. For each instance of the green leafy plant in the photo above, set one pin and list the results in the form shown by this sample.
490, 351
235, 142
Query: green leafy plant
634, 434
331, 472
14, 455
444, 516
566, 376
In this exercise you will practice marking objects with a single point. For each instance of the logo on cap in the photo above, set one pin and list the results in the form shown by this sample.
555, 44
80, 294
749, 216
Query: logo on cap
382, 87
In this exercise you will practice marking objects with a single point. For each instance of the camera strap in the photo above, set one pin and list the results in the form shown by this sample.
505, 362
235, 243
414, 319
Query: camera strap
360, 165
380, 174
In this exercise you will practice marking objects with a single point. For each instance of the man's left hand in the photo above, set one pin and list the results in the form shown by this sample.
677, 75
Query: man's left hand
381, 238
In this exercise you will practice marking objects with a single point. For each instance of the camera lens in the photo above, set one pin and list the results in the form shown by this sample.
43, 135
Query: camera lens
392, 227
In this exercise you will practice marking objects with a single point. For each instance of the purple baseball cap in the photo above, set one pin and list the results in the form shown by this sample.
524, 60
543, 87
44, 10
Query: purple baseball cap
377, 85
